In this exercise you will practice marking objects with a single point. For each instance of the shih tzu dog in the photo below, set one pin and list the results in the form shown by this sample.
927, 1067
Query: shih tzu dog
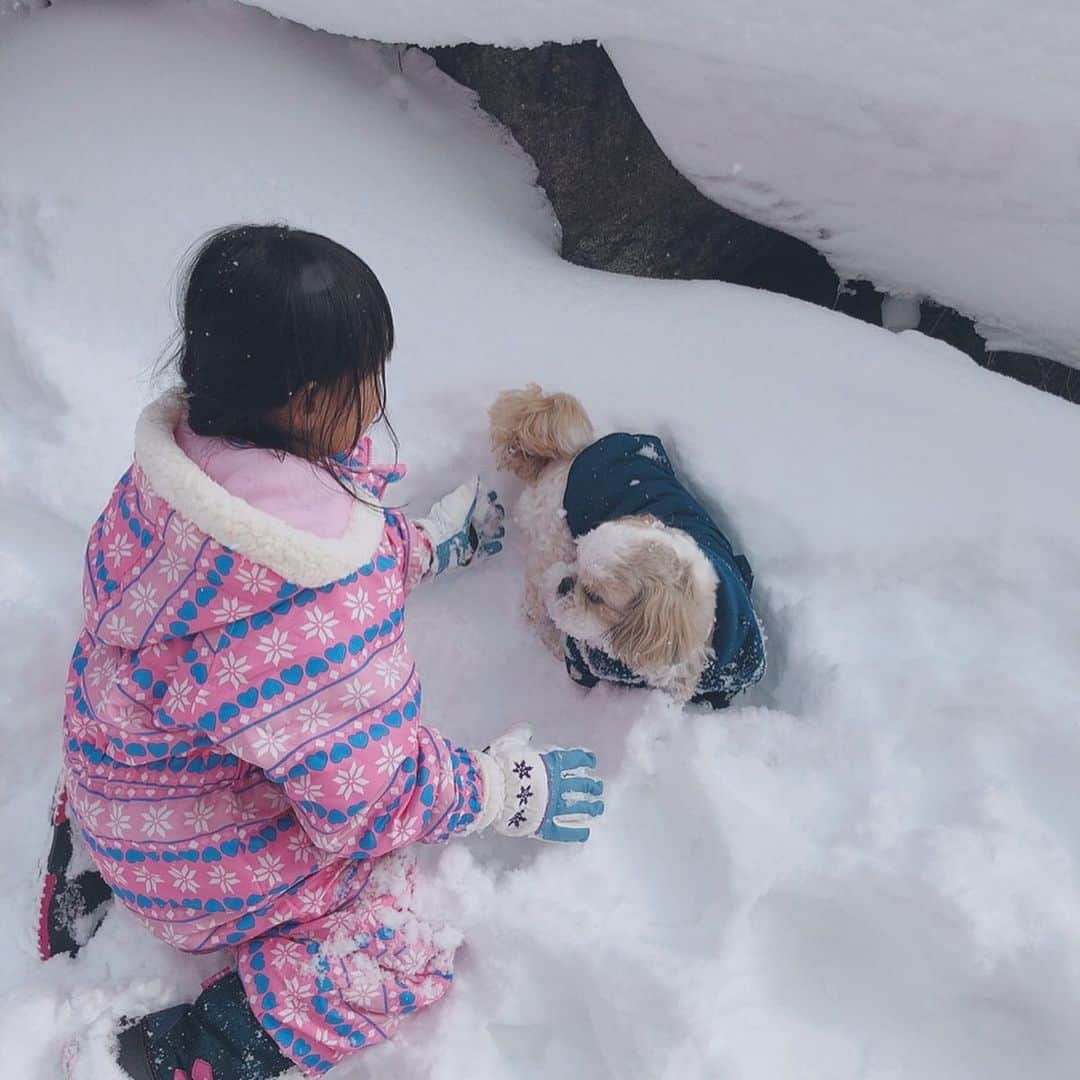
628, 578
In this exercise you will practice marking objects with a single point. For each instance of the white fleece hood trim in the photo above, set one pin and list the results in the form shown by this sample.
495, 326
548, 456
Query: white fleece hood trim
298, 556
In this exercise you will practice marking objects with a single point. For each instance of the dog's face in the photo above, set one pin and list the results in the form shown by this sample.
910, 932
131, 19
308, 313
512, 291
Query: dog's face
644, 594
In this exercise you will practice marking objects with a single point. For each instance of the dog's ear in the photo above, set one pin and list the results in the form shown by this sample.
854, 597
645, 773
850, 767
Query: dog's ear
529, 429
664, 634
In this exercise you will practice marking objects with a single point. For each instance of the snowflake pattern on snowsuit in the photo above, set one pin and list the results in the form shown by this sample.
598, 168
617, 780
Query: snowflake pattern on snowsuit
246, 757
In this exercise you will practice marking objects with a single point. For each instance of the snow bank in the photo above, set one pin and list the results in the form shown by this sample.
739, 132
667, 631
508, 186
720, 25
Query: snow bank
869, 870
930, 147
911, 180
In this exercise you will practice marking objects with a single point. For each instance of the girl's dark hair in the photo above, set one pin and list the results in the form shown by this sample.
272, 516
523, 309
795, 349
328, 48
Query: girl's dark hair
268, 313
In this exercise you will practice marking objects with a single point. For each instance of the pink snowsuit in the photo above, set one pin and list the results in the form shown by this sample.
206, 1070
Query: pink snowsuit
244, 745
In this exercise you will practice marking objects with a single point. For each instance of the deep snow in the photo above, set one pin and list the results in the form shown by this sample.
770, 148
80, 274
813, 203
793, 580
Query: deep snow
869, 870
931, 147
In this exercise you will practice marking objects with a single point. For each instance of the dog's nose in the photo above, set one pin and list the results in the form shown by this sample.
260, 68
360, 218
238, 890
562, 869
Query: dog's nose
566, 586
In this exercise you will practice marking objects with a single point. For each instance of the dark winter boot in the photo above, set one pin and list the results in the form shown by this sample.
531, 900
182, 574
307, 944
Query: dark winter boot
216, 1038
73, 899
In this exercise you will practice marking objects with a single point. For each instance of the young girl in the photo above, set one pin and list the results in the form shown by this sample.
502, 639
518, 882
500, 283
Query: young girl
244, 742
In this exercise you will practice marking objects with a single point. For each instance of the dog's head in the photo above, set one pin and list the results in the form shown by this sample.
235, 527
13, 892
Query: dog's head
643, 593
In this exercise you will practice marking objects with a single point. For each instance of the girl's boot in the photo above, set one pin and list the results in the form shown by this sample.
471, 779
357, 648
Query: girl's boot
74, 897
215, 1038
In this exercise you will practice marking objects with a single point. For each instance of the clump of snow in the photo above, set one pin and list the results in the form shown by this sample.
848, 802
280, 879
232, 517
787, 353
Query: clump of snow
901, 313
867, 869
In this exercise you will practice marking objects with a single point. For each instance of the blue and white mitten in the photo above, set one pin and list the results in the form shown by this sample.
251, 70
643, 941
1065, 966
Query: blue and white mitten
462, 527
550, 794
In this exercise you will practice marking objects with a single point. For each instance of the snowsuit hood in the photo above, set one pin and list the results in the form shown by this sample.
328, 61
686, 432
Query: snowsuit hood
173, 510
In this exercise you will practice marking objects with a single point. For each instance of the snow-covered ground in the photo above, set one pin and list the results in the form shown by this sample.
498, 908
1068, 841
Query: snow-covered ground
931, 147
868, 871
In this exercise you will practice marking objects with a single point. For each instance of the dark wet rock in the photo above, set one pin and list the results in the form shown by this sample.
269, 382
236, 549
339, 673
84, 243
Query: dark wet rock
620, 202
1049, 375
861, 300
949, 325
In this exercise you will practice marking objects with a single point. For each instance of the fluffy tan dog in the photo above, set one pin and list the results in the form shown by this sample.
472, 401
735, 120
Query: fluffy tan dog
640, 591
